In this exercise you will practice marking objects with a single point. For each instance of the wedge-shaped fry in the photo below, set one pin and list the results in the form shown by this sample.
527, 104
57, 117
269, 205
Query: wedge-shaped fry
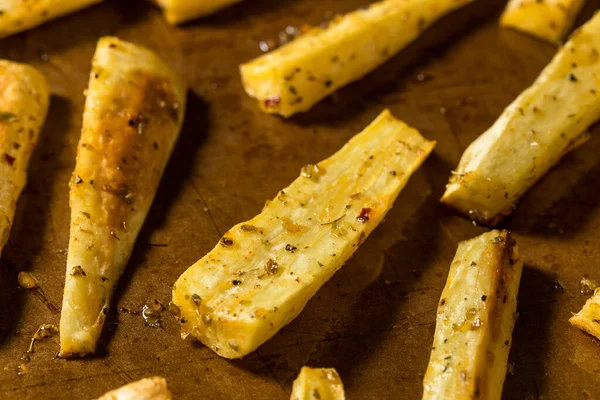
24, 98
263, 272
295, 77
132, 118
179, 11
318, 383
146, 389
20, 15
475, 319
544, 123
588, 319
548, 19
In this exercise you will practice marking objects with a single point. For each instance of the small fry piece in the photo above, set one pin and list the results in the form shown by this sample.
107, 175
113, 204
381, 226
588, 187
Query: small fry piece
146, 389
544, 123
588, 319
20, 15
180, 11
264, 271
24, 99
318, 383
475, 320
550, 20
296, 76
132, 118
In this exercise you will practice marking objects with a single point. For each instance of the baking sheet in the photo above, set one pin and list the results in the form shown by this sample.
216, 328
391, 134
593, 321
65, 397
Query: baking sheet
374, 320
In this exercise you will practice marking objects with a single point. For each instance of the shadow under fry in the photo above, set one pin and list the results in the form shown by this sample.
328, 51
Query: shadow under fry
179, 168
531, 335
32, 217
359, 95
11, 300
589, 8
375, 314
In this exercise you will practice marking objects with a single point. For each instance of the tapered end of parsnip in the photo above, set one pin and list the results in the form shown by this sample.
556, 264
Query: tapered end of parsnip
549, 20
588, 319
24, 99
475, 319
146, 389
318, 383
133, 114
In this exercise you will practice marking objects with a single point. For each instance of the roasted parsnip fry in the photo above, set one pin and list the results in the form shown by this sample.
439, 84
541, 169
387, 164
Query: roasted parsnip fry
179, 11
20, 15
296, 76
588, 319
318, 383
549, 19
544, 123
146, 389
263, 272
24, 98
132, 117
475, 319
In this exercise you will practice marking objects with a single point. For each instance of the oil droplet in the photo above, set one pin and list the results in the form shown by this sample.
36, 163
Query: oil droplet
43, 332
266, 45
588, 286
151, 312
21, 370
27, 280
30, 282
558, 287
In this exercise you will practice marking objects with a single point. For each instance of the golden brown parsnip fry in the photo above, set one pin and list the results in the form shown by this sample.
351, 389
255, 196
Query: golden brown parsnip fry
548, 19
475, 319
264, 271
296, 76
544, 123
146, 389
24, 98
318, 383
132, 118
588, 319
179, 11
20, 15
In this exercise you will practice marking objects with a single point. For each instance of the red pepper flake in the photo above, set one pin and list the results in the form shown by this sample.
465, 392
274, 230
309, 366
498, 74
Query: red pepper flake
364, 215
272, 101
9, 159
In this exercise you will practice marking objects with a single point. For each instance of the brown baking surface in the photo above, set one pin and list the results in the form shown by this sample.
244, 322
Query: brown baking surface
375, 330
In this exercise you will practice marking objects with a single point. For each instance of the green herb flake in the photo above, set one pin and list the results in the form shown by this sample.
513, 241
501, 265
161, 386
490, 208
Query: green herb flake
8, 117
